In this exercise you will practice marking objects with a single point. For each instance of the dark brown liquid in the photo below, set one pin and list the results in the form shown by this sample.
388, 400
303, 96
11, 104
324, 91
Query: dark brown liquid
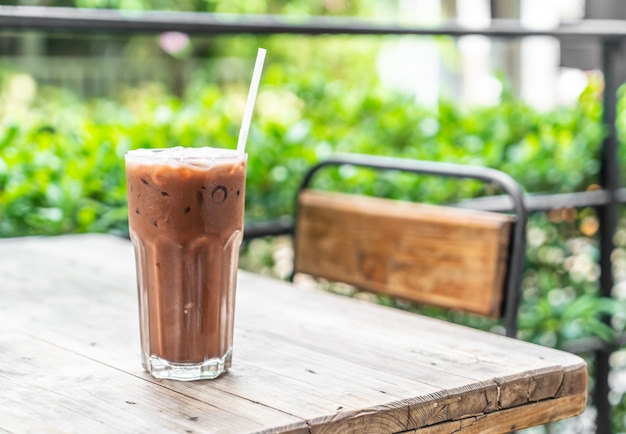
186, 223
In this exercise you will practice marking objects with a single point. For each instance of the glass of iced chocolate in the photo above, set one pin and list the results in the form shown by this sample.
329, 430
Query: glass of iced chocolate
186, 213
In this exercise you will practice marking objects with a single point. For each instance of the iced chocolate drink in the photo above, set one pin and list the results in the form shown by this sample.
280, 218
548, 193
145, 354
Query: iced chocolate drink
186, 209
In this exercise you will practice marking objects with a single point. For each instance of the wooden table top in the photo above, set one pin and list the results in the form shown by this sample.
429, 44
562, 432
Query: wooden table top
304, 361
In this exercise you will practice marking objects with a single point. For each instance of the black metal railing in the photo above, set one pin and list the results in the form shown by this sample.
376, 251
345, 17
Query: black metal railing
100, 20
609, 34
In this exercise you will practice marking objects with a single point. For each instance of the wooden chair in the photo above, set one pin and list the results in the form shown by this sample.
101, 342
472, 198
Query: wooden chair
451, 257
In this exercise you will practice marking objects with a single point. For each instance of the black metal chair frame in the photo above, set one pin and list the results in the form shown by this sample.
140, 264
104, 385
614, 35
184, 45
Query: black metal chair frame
517, 254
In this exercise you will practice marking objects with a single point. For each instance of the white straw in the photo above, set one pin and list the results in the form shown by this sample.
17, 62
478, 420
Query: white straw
254, 87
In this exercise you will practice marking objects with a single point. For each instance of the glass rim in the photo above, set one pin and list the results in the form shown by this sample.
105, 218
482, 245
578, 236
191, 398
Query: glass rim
180, 154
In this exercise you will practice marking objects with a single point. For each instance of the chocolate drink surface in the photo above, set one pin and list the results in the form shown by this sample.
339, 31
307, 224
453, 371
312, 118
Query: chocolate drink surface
186, 213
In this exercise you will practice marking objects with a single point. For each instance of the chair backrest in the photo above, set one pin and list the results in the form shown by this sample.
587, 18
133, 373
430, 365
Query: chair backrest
444, 256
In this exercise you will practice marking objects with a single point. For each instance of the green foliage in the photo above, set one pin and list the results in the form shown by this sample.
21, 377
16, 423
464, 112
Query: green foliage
63, 159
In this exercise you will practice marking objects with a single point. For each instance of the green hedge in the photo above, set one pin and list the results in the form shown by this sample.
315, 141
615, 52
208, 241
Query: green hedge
61, 160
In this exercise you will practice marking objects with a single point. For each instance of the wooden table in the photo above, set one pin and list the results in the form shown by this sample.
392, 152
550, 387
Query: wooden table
305, 361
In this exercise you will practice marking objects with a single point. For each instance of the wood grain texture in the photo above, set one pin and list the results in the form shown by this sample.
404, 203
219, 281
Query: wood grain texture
305, 361
435, 255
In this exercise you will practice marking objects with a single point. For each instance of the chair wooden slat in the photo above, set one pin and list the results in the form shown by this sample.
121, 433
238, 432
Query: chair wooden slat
449, 257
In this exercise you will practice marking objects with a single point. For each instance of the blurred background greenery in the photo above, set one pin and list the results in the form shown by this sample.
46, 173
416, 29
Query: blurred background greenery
62, 142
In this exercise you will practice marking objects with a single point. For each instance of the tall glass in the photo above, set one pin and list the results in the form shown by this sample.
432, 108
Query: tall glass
186, 213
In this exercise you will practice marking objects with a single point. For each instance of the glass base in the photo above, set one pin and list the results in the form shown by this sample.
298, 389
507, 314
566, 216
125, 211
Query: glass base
207, 370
